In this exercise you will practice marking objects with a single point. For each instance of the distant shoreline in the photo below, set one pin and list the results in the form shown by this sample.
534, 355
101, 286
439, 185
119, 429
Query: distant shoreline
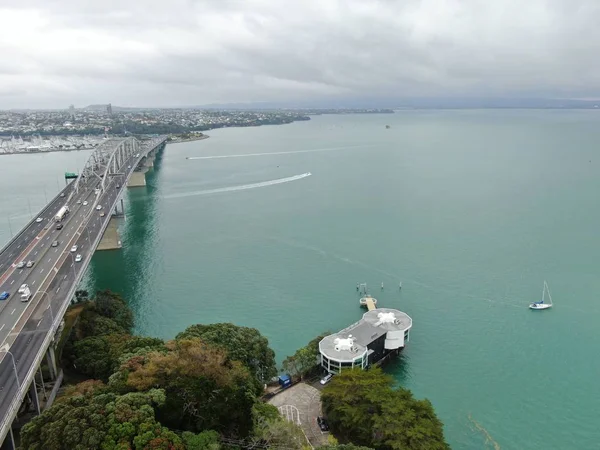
56, 150
195, 138
53, 150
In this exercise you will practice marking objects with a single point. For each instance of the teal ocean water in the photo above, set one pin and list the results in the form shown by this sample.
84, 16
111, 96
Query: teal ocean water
471, 210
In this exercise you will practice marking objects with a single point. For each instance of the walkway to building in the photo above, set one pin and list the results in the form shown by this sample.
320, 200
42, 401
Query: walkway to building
307, 400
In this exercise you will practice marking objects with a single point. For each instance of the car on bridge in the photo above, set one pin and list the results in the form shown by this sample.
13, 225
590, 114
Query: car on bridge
23, 288
54, 244
102, 214
4, 295
98, 208
59, 226
74, 248
21, 265
39, 219
85, 203
62, 194
30, 264
78, 258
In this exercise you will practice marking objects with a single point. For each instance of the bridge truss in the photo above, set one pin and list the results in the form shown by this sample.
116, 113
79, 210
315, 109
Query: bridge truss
106, 160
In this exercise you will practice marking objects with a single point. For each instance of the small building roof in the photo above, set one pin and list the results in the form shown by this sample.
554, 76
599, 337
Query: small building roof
352, 342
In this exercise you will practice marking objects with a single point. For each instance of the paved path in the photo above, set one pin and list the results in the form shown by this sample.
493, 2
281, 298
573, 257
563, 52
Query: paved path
308, 401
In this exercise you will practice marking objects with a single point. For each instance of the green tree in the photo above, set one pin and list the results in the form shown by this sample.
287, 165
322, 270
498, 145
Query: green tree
83, 389
112, 306
93, 356
364, 408
207, 440
405, 422
100, 356
105, 421
205, 389
242, 344
276, 433
343, 447
305, 360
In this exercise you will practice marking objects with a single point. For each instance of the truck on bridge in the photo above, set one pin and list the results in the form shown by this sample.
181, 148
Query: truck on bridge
62, 212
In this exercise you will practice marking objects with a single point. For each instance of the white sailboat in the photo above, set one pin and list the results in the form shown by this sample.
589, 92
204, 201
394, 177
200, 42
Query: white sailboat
542, 304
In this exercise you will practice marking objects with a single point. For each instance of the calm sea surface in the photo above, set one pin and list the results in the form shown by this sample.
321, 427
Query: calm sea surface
471, 210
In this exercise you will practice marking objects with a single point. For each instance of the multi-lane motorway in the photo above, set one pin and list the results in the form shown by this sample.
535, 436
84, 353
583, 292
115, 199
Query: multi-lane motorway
24, 325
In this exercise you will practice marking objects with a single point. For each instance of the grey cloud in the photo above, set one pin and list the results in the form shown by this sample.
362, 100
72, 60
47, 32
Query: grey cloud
151, 52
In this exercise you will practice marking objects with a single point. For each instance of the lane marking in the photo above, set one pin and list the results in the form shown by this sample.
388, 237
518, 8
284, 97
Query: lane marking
41, 270
2, 326
13, 311
33, 282
38, 324
12, 281
58, 289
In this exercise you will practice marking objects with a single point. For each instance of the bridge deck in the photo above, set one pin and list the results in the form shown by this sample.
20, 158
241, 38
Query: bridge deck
27, 328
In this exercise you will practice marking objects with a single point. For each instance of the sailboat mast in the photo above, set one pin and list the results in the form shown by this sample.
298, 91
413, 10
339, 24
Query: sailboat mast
548, 289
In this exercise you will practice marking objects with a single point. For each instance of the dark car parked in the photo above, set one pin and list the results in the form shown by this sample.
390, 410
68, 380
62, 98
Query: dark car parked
322, 423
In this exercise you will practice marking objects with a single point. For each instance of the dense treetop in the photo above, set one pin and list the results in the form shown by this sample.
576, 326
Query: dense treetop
364, 408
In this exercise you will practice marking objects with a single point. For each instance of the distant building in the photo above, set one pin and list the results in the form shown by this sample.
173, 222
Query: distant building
378, 334
109, 109
72, 111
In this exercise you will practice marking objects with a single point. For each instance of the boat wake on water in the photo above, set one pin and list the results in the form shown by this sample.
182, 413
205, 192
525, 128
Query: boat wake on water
241, 187
314, 150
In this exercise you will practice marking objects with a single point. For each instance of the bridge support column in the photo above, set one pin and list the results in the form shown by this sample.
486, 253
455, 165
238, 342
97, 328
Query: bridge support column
110, 239
137, 179
33, 395
9, 441
121, 212
51, 360
39, 372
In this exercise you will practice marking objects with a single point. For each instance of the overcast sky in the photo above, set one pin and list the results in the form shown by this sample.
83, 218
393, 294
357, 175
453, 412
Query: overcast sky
185, 52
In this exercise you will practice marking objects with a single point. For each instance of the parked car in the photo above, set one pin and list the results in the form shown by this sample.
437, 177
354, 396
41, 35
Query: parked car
4, 295
323, 425
62, 194
78, 258
30, 264
74, 248
23, 288
21, 265
118, 186
54, 244
327, 378
39, 219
